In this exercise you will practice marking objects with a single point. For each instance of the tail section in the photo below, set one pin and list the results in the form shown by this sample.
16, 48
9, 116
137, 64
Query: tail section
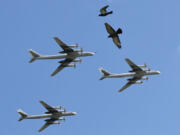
104, 73
119, 31
22, 114
34, 55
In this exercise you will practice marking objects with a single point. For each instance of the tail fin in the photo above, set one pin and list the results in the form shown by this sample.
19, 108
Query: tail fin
119, 31
34, 55
22, 114
104, 73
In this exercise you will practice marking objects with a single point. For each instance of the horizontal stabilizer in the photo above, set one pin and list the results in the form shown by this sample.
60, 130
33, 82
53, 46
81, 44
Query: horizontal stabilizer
22, 114
104, 73
34, 55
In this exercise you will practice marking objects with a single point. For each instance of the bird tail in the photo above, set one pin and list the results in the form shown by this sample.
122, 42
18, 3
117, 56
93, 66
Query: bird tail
119, 31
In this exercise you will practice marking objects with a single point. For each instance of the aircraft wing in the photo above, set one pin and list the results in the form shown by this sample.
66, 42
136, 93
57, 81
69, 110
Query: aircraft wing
63, 64
47, 124
134, 67
48, 107
129, 83
65, 47
109, 29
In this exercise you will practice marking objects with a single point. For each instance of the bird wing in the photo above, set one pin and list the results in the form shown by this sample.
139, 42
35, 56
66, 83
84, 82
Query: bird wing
117, 41
109, 29
103, 10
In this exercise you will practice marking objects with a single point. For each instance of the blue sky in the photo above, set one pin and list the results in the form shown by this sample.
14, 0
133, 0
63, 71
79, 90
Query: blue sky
150, 34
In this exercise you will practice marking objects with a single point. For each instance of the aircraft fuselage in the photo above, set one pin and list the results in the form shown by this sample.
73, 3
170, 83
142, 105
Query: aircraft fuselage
133, 74
54, 115
63, 56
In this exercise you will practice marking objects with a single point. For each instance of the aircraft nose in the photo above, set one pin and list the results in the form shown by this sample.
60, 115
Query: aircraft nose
159, 72
93, 53
74, 113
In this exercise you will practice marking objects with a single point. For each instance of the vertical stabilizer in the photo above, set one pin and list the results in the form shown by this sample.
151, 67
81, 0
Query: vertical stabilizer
22, 114
104, 73
34, 55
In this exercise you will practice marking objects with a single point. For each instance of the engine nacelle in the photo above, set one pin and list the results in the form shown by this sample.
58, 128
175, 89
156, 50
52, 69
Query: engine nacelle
81, 50
147, 69
142, 66
73, 46
144, 78
55, 122
61, 119
138, 82
77, 60
58, 107
70, 65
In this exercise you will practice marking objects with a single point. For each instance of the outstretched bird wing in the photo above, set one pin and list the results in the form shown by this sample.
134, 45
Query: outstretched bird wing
103, 10
109, 29
117, 41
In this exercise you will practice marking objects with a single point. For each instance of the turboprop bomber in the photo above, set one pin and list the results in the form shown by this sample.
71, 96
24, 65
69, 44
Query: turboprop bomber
137, 74
54, 115
68, 54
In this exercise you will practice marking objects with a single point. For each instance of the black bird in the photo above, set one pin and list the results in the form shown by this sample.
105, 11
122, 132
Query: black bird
104, 12
114, 34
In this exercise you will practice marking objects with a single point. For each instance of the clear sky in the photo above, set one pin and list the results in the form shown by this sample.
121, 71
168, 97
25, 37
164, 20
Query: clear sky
150, 34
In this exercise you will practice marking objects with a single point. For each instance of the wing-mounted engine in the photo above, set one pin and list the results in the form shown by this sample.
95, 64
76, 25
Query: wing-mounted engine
134, 81
138, 82
142, 66
73, 46
70, 65
147, 69
62, 119
144, 78
58, 107
80, 50
77, 60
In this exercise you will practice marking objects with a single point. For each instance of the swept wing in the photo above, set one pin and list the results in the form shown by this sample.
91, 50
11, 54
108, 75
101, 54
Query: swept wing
64, 63
130, 82
65, 47
48, 107
134, 67
47, 124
